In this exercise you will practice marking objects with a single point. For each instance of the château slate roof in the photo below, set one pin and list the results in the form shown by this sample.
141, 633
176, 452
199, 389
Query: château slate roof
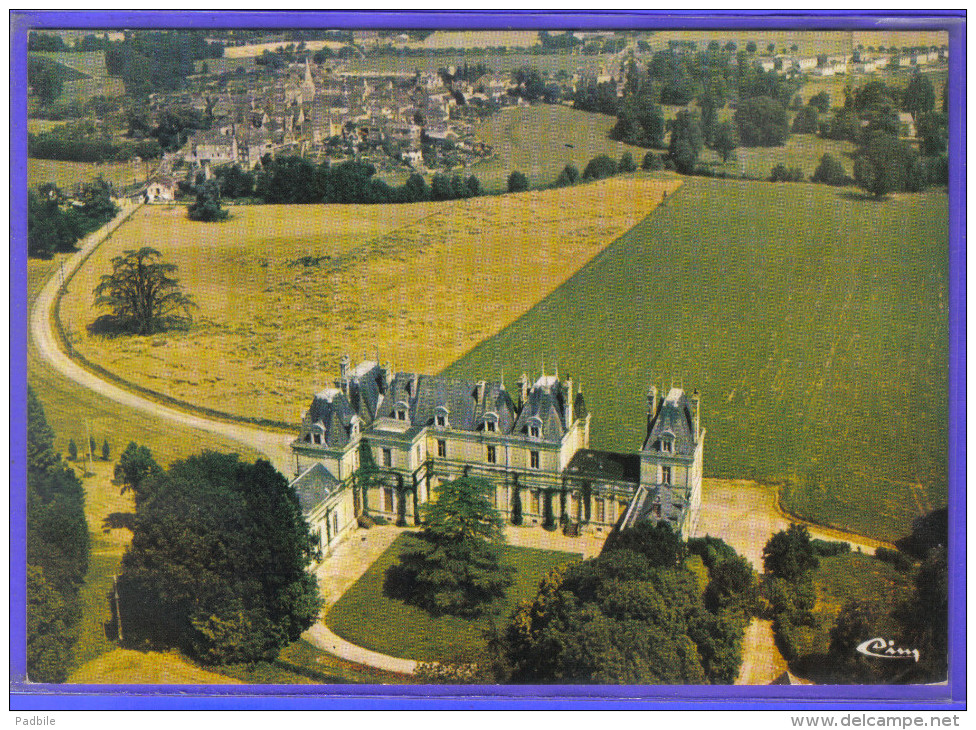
604, 465
366, 389
314, 486
332, 410
467, 402
674, 419
545, 402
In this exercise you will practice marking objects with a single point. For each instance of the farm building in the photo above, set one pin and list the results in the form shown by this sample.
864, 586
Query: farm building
160, 190
413, 432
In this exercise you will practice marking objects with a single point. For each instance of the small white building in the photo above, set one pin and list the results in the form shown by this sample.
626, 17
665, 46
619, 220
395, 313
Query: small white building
161, 190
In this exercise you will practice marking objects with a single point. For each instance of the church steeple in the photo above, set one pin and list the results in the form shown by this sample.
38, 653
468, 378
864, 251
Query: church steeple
308, 85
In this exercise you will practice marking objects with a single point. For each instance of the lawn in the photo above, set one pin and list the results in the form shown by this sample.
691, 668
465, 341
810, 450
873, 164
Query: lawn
540, 140
285, 291
66, 174
369, 619
837, 580
814, 322
298, 663
801, 150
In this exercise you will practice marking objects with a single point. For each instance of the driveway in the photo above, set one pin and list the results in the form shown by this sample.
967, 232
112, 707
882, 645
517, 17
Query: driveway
745, 515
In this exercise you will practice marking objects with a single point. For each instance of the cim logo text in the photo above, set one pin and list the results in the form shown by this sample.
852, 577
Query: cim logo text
885, 649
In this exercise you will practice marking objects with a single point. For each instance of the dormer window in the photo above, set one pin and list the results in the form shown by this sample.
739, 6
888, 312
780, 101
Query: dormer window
667, 442
400, 411
440, 417
534, 431
491, 422
535, 428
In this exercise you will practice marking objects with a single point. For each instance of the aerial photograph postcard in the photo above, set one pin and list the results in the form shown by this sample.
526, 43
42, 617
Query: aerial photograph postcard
395, 355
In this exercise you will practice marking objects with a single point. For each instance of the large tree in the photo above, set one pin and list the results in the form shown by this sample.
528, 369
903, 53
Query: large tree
135, 466
762, 122
143, 294
885, 164
456, 568
218, 565
634, 615
686, 141
788, 554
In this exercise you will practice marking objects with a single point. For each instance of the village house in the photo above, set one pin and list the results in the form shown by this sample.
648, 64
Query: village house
160, 190
532, 444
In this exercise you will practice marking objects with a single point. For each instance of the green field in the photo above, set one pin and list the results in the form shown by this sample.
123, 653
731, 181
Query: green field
66, 174
801, 150
540, 140
367, 618
813, 320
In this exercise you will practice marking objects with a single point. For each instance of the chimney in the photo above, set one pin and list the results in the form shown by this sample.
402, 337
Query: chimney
695, 412
568, 405
479, 392
344, 367
523, 391
651, 403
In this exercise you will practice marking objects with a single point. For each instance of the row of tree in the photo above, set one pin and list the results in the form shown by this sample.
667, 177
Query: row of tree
293, 179
58, 550
60, 146
55, 225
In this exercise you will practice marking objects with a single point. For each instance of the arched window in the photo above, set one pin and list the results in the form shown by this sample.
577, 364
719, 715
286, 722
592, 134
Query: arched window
491, 422
440, 417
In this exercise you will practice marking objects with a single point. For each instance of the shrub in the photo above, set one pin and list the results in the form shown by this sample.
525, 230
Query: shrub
517, 182
600, 167
652, 161
830, 172
894, 557
781, 173
829, 548
627, 163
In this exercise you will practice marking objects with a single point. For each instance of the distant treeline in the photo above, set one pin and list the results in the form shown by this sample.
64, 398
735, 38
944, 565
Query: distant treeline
294, 179
147, 61
54, 146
